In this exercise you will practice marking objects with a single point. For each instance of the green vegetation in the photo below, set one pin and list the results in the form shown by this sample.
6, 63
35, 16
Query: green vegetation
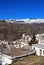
30, 60
11, 64
33, 40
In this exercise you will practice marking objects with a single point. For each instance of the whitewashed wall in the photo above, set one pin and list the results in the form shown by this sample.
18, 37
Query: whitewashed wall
5, 59
42, 52
37, 50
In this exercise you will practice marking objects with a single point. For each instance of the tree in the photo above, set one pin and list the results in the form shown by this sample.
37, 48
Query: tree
33, 40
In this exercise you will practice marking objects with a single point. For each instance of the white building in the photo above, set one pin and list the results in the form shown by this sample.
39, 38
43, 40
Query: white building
20, 43
3, 42
39, 49
23, 42
40, 46
5, 59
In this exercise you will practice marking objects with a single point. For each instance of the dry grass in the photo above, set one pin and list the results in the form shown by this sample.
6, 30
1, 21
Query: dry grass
30, 60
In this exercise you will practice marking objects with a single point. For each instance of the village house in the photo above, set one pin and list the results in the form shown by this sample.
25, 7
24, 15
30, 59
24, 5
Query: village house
5, 59
10, 53
25, 37
20, 43
39, 47
10, 50
3, 42
23, 42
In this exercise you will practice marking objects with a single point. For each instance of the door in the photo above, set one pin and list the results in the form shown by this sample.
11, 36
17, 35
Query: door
40, 52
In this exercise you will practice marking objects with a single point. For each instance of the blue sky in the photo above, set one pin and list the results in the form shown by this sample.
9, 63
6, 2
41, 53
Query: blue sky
10, 9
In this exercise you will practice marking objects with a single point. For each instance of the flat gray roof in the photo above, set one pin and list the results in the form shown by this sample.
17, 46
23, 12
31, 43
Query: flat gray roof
16, 51
39, 45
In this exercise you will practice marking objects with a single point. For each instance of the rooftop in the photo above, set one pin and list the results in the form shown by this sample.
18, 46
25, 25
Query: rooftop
12, 51
39, 45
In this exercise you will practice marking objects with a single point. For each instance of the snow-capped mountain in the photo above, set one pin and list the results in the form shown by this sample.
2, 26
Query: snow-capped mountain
10, 21
25, 20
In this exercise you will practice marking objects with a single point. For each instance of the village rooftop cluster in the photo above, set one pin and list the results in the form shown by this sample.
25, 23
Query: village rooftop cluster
10, 50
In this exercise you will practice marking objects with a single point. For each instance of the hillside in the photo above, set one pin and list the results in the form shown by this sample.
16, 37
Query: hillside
29, 60
13, 31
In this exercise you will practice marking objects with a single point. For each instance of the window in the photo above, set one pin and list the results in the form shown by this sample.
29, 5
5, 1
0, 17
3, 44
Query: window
40, 52
34, 48
43, 51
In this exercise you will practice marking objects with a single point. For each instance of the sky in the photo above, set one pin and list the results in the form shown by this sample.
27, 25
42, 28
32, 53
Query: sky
18, 9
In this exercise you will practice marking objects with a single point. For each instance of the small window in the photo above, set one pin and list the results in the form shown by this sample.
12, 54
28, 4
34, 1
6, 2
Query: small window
40, 52
43, 51
34, 48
